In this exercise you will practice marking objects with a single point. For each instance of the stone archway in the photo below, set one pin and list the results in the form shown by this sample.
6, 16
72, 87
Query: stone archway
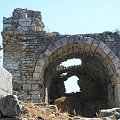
99, 63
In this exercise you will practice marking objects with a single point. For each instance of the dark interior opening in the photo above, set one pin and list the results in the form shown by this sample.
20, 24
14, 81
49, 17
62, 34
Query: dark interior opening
93, 82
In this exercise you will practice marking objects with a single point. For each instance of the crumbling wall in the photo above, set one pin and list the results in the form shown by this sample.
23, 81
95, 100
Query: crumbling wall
5, 82
27, 55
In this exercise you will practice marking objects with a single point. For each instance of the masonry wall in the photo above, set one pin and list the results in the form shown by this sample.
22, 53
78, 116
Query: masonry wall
24, 41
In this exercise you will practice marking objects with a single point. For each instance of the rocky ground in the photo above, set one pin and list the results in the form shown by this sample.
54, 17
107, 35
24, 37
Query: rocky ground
13, 109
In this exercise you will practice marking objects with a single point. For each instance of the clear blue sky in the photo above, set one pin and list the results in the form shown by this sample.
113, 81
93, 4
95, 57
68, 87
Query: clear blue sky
70, 16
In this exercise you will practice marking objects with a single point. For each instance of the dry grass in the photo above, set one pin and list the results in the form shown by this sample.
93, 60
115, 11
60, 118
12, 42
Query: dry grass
32, 111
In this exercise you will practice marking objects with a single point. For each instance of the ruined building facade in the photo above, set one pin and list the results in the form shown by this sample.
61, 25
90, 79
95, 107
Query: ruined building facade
33, 57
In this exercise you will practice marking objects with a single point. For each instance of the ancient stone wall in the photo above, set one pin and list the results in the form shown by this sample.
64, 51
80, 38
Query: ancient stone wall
5, 82
31, 55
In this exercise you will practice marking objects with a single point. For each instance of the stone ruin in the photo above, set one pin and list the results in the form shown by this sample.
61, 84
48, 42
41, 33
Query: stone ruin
33, 55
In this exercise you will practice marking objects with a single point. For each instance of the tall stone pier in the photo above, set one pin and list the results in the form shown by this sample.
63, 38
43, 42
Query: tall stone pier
33, 55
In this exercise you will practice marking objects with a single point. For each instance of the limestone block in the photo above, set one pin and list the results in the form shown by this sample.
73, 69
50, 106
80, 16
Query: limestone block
80, 40
17, 74
19, 29
69, 40
35, 97
33, 27
6, 25
27, 97
7, 21
35, 101
75, 39
106, 50
58, 44
115, 59
47, 52
117, 65
52, 48
25, 20
24, 23
38, 69
63, 41
36, 76
111, 54
118, 72
26, 87
101, 45
35, 86
89, 40
35, 92
118, 80
60, 51
87, 48
40, 63
43, 57
24, 28
95, 43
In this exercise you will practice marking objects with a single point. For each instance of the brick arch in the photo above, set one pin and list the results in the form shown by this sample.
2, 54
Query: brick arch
86, 45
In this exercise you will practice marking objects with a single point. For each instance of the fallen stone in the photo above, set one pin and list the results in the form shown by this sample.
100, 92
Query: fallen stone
110, 112
109, 118
9, 106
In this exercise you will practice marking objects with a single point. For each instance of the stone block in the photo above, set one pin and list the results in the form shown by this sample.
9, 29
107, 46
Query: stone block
35, 86
33, 28
25, 20
27, 97
40, 63
26, 87
34, 92
63, 41
115, 60
70, 40
24, 28
35, 101
35, 97
58, 44
36, 76
95, 43
52, 48
47, 52
80, 40
6, 25
111, 54
19, 29
7, 21
89, 40
24, 23
38, 69
106, 50
101, 45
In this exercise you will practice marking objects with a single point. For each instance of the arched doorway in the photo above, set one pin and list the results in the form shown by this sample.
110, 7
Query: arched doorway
97, 75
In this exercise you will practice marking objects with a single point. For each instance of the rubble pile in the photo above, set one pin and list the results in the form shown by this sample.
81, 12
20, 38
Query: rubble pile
13, 109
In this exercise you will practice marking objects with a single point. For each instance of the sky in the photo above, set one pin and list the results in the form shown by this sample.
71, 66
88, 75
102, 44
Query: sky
69, 16
71, 83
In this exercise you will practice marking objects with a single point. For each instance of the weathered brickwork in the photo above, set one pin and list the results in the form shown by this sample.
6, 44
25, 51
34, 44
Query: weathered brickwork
31, 55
